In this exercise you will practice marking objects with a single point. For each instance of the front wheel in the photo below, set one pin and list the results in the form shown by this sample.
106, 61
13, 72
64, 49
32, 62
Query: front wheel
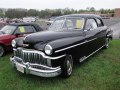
1, 50
67, 66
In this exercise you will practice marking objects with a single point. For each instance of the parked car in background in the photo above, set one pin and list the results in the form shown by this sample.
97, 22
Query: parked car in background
51, 53
16, 20
12, 31
52, 18
29, 19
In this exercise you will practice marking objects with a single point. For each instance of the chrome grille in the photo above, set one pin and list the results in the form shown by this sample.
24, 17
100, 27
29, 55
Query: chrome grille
30, 57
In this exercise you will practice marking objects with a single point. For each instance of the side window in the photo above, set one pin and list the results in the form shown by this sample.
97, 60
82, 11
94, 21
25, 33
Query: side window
34, 30
25, 29
28, 29
79, 23
69, 24
88, 26
93, 23
74, 23
99, 22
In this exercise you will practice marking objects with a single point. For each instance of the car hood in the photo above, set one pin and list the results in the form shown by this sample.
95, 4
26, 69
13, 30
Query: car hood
47, 36
3, 36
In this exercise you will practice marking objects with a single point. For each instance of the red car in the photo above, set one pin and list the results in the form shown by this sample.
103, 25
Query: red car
2, 24
12, 31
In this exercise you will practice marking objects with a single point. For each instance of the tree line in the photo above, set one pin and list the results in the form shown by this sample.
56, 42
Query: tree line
47, 13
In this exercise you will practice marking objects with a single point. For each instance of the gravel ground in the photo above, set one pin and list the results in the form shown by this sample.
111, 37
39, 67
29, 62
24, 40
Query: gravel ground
114, 24
111, 22
116, 29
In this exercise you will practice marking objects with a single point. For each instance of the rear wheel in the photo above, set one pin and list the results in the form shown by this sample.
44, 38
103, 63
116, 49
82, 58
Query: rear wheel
67, 66
106, 43
2, 51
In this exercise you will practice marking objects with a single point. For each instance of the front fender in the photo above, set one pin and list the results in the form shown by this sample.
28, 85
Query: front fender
1, 42
19, 41
65, 44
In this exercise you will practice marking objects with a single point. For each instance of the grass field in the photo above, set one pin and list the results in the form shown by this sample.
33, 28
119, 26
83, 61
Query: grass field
99, 72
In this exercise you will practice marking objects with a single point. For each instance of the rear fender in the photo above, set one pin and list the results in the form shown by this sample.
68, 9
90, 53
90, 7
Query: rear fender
109, 34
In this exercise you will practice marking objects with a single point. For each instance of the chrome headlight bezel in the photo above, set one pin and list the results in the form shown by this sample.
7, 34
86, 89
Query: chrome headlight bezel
48, 49
13, 43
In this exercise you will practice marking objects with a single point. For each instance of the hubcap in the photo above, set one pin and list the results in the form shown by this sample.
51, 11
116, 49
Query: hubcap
69, 67
1, 51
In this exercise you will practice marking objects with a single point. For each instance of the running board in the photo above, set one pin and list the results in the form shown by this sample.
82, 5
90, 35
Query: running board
85, 57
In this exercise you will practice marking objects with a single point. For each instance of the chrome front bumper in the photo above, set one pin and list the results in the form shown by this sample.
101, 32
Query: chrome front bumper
29, 68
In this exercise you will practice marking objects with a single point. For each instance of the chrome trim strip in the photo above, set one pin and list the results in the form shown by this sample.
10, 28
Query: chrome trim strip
34, 64
49, 72
109, 35
45, 71
74, 45
41, 53
14, 49
92, 53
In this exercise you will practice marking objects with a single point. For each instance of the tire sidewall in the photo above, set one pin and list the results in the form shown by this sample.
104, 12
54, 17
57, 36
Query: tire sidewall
2, 51
107, 43
64, 66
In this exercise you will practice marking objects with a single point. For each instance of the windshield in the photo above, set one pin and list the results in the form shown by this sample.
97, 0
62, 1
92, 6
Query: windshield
57, 24
8, 29
1, 25
62, 24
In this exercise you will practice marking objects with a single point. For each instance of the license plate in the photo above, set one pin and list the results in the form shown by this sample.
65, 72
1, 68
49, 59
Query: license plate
19, 68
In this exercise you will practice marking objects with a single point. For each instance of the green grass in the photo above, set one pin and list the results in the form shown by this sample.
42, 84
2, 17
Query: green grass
99, 72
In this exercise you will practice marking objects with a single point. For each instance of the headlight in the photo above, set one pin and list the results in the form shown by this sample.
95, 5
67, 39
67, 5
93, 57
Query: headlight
48, 49
13, 43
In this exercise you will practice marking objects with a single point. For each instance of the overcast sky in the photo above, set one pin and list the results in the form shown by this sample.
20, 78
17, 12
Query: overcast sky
55, 4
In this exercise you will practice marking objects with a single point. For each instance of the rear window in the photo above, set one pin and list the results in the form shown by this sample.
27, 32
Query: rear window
93, 23
99, 22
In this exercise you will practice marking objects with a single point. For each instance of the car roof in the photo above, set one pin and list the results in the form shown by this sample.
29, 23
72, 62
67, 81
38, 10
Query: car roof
20, 24
81, 15
36, 26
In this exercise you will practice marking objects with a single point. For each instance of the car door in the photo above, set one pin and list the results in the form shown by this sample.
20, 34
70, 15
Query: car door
92, 33
75, 25
102, 32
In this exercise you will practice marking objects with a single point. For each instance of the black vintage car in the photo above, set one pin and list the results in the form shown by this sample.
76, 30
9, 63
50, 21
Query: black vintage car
70, 38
